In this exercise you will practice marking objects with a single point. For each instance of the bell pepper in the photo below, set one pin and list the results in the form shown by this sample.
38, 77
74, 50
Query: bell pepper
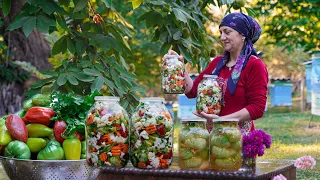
5, 136
17, 149
41, 115
17, 128
36, 144
38, 130
72, 149
52, 151
83, 147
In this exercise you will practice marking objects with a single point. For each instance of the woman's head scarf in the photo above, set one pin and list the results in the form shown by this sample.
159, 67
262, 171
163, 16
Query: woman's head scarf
251, 30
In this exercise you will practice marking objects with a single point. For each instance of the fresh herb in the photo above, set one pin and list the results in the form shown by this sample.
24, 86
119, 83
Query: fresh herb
73, 109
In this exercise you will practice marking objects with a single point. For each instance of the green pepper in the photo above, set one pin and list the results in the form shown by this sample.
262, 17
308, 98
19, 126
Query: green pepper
21, 113
36, 144
72, 148
27, 104
17, 149
42, 100
83, 156
83, 147
38, 130
5, 136
52, 151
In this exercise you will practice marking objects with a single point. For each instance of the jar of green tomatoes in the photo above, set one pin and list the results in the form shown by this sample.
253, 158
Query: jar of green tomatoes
193, 144
225, 145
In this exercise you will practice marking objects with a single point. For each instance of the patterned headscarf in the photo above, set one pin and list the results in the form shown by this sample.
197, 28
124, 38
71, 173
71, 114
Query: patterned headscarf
250, 29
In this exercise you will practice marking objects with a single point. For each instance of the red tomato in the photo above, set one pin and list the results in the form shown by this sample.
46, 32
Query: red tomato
58, 128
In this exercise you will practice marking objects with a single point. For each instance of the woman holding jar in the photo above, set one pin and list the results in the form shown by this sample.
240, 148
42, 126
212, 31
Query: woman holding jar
242, 76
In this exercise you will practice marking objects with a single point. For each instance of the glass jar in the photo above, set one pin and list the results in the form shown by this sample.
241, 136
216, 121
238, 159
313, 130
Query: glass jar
151, 135
225, 145
173, 80
193, 144
209, 95
107, 130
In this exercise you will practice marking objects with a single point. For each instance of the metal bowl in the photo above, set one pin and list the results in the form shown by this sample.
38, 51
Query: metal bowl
48, 169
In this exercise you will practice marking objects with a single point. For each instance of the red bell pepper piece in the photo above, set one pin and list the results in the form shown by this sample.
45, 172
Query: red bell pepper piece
41, 115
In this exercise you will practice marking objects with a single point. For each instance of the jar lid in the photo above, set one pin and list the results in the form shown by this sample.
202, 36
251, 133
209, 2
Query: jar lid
106, 98
223, 119
192, 119
210, 75
171, 56
152, 99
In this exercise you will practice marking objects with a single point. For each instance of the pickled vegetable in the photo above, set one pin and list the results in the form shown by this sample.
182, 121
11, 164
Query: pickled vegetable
151, 135
209, 95
226, 145
173, 80
107, 127
193, 145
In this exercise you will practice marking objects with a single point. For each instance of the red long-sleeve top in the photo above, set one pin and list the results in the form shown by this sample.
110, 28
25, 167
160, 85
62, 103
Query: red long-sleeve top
251, 91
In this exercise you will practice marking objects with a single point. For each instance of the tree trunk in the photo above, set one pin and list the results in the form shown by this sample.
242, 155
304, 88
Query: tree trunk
34, 49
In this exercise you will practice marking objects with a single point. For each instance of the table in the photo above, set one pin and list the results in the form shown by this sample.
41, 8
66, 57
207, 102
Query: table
266, 169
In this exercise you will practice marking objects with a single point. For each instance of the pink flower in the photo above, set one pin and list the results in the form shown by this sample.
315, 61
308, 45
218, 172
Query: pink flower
305, 162
279, 177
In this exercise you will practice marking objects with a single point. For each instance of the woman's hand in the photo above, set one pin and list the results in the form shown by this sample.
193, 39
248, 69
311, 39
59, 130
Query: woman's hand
206, 116
171, 52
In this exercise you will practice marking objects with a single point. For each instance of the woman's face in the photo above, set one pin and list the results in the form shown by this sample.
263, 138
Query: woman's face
232, 40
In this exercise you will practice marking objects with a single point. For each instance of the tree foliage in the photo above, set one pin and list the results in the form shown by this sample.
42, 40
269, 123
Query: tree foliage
291, 24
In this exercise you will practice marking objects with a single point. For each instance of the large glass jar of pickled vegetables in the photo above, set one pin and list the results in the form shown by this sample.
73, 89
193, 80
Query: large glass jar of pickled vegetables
151, 135
225, 145
107, 133
193, 144
209, 95
173, 80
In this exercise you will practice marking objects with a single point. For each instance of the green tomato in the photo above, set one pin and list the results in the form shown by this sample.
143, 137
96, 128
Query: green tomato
36, 144
53, 151
83, 156
193, 162
219, 152
83, 147
17, 149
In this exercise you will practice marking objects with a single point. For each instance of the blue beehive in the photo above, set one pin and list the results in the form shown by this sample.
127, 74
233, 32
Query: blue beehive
308, 69
280, 92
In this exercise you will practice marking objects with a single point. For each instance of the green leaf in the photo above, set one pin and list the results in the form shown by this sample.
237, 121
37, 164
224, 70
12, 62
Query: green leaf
62, 22
33, 2
125, 104
40, 83
58, 46
251, 12
137, 88
109, 83
72, 79
62, 79
115, 77
97, 84
6, 7
108, 3
164, 48
47, 6
64, 2
80, 5
29, 25
177, 35
185, 53
34, 9
179, 15
43, 23
83, 77
92, 72
18, 22
156, 2
135, 3
70, 46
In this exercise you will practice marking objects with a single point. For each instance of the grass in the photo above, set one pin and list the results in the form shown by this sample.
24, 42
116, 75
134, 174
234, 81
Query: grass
292, 138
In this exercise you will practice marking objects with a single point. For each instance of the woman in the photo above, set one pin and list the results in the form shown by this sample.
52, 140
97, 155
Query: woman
242, 76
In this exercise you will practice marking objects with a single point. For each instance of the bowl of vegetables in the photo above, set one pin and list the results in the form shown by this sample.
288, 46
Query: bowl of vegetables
46, 140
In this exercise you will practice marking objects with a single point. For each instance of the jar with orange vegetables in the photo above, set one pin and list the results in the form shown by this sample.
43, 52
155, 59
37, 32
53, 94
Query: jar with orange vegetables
173, 80
107, 132
151, 135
